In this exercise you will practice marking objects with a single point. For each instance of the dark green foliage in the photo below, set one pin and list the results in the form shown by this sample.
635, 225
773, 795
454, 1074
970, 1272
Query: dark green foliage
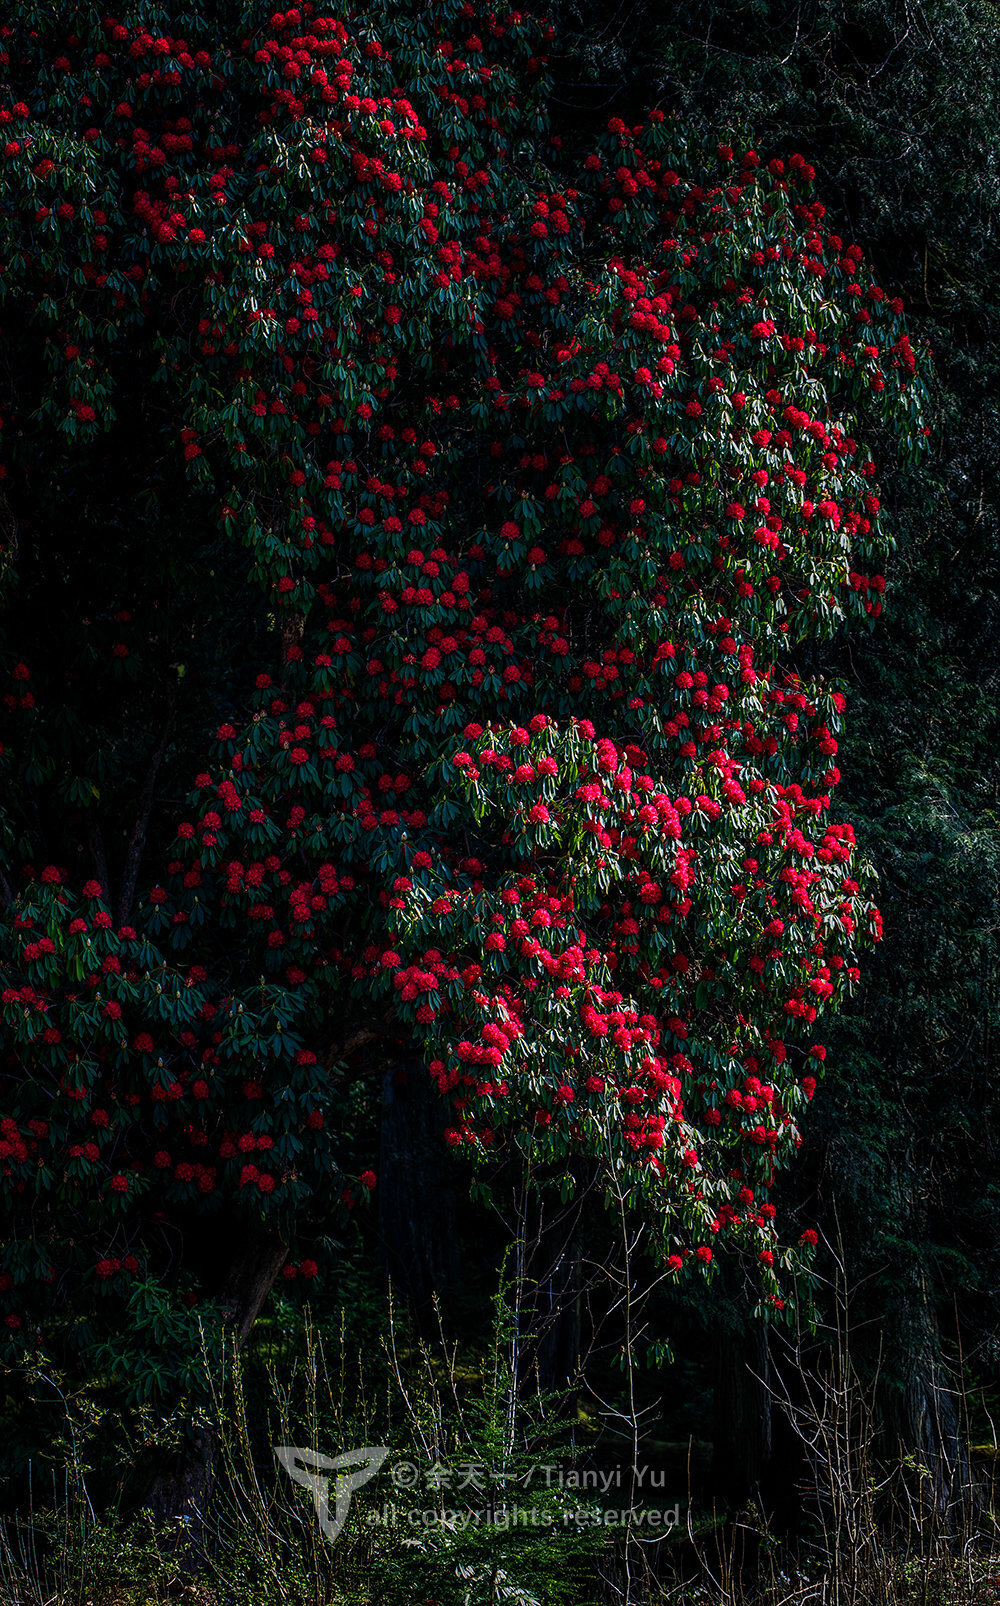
898, 107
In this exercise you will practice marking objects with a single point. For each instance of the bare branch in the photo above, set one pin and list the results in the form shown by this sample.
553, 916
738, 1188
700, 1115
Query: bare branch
137, 843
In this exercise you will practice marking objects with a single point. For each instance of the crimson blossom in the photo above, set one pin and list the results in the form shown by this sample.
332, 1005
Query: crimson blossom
416, 534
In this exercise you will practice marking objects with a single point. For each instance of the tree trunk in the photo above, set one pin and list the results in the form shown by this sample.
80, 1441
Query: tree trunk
179, 1494
551, 1319
417, 1196
743, 1417
922, 1428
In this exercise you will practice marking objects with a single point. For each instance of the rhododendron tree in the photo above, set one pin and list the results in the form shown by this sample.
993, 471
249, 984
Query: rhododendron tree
415, 537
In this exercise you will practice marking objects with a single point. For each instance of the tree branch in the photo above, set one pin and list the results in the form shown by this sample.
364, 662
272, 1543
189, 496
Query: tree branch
95, 841
137, 843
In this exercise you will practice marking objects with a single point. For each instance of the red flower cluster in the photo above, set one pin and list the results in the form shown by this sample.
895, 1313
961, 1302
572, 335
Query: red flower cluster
534, 527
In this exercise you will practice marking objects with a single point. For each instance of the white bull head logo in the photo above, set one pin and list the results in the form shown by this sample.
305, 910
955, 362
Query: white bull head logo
314, 1472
